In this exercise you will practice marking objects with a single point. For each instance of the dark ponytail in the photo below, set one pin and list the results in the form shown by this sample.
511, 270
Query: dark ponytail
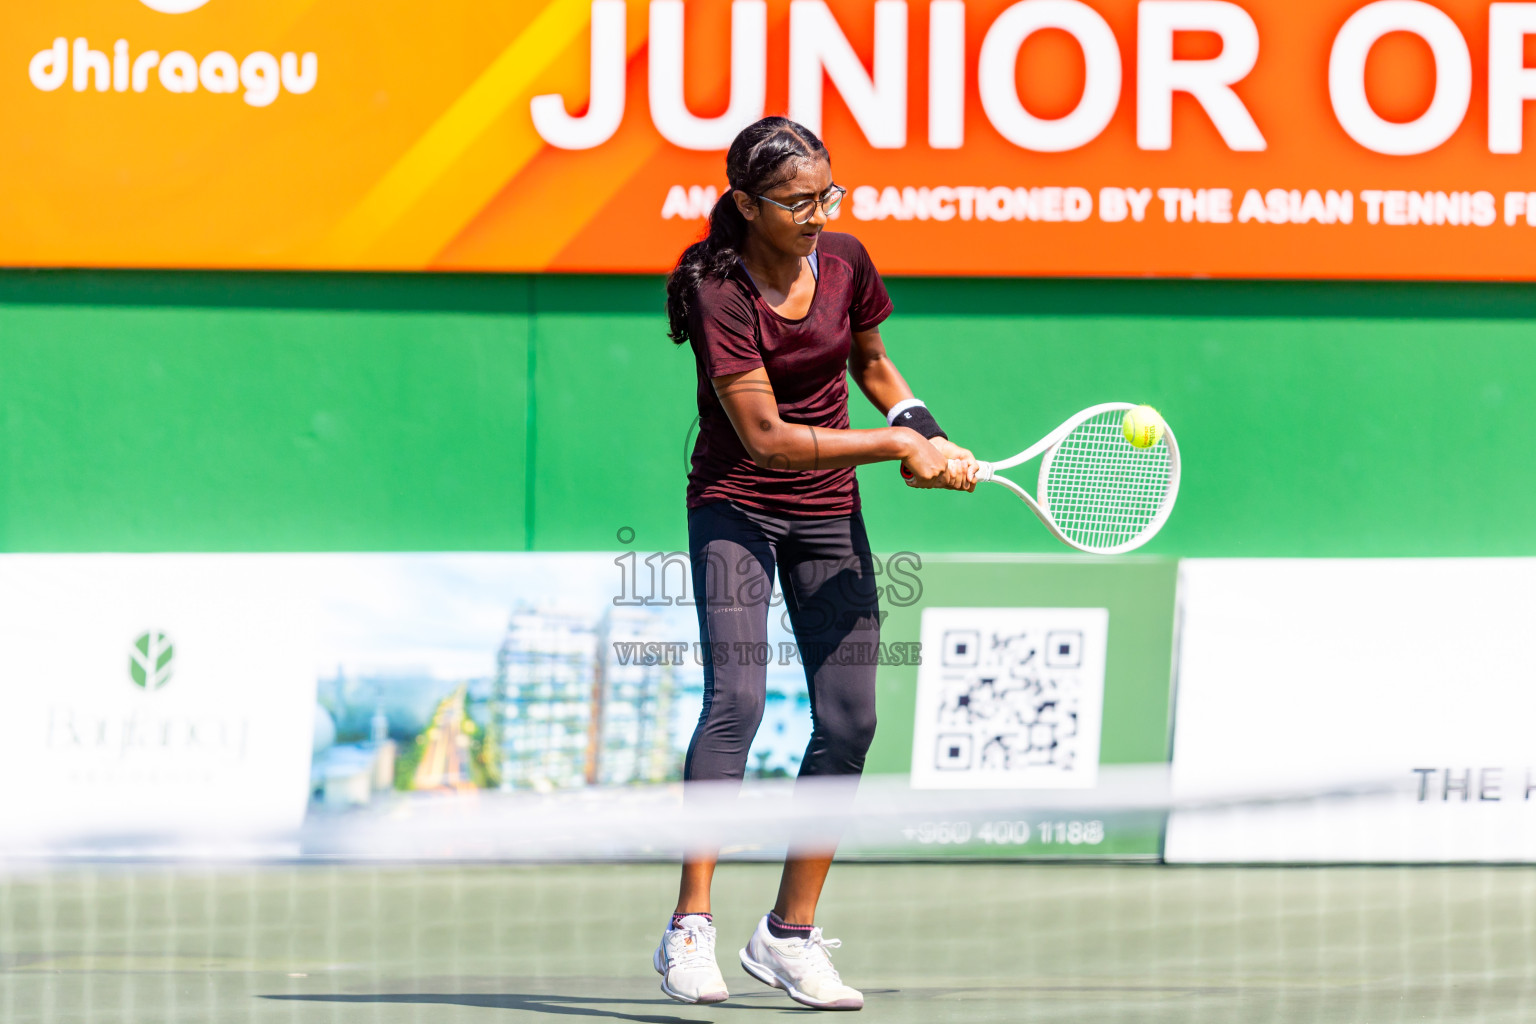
762, 156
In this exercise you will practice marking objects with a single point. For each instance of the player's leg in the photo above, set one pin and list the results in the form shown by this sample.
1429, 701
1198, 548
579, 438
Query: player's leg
733, 564
734, 557
832, 600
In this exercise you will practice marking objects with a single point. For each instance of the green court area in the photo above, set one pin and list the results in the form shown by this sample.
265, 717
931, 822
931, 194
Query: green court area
967, 942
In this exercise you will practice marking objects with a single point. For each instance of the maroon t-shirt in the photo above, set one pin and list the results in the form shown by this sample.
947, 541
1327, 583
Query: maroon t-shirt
733, 330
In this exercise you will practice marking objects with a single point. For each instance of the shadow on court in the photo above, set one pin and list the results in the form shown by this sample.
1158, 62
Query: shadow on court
574, 1006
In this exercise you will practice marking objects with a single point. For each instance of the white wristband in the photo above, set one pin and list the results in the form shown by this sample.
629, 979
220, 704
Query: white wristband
901, 407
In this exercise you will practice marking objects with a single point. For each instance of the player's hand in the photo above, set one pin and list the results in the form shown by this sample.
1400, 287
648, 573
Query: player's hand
950, 450
962, 474
925, 466
963, 465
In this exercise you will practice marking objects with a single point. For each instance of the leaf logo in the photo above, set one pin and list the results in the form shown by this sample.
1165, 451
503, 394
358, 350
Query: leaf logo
149, 664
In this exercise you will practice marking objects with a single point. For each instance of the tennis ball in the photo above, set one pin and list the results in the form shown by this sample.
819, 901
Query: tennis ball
1143, 426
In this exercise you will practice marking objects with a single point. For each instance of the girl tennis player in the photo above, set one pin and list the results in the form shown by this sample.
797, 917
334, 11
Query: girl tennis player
777, 310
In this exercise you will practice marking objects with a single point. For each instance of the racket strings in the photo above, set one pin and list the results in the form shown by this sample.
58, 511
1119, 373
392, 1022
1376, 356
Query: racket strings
1100, 489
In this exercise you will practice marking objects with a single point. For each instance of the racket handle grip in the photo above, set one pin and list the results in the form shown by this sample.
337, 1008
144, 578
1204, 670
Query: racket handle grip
984, 472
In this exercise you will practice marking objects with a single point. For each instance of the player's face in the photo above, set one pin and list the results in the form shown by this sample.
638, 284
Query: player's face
776, 225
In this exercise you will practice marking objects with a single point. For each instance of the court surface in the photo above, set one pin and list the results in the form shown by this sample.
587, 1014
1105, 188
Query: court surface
999, 942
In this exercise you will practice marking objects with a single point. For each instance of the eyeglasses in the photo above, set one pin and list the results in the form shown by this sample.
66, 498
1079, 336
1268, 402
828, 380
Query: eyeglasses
802, 212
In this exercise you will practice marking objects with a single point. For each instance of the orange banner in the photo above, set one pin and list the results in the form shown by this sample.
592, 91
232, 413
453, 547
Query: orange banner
1310, 138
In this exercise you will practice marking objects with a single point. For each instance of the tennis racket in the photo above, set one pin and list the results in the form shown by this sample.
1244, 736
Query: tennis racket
1098, 492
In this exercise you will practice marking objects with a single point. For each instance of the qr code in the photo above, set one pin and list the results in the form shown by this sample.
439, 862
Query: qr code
1009, 697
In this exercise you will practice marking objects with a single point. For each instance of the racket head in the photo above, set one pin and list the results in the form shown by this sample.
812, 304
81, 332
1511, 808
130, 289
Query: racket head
1099, 493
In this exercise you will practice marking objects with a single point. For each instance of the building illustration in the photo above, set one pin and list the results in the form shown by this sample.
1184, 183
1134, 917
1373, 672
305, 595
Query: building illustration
566, 711
582, 694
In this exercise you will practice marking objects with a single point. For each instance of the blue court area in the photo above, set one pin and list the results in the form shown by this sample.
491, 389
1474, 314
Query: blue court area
1148, 944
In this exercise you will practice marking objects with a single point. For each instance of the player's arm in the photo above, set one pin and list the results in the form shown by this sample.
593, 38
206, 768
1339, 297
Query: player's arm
749, 401
876, 375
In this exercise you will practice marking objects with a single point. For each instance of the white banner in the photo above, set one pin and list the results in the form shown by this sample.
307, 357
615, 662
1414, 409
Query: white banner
1415, 676
154, 702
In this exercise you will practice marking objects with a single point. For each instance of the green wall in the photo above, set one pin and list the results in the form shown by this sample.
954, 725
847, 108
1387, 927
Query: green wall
148, 411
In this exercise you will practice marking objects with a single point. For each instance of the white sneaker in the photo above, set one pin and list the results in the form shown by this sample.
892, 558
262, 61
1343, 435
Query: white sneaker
801, 967
686, 962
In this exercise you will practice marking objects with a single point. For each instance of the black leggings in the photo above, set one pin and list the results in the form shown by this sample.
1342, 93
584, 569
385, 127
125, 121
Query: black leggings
828, 579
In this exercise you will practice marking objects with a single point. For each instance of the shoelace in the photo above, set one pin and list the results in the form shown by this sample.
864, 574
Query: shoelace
699, 952
821, 960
